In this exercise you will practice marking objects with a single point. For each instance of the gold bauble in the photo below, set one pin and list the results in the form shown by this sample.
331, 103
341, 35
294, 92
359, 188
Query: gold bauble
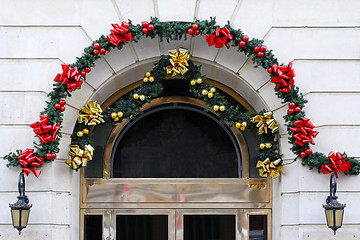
142, 97
136, 96
262, 145
79, 134
151, 79
192, 82
147, 74
244, 124
204, 92
120, 114
268, 145
238, 125
212, 89
222, 108
216, 108
199, 80
210, 95
145, 79
116, 119
113, 115
85, 131
242, 128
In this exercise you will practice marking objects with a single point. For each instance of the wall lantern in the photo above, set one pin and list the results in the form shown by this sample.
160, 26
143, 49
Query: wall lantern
334, 210
21, 209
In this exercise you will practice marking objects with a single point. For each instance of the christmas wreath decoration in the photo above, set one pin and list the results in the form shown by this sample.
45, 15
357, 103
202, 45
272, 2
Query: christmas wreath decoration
300, 129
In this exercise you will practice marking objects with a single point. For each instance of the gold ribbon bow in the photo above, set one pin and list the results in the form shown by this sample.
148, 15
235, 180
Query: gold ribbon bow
264, 122
92, 114
178, 61
78, 158
270, 169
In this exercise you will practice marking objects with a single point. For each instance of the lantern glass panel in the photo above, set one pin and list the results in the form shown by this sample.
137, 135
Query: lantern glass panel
15, 213
339, 213
329, 217
24, 217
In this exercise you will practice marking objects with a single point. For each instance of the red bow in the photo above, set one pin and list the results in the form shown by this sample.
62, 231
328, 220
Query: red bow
45, 132
285, 78
219, 38
119, 34
29, 161
304, 130
69, 77
337, 164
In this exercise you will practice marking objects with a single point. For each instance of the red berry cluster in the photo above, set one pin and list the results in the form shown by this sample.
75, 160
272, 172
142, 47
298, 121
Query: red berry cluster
50, 156
147, 27
86, 70
293, 109
60, 105
97, 51
194, 29
245, 38
260, 50
307, 152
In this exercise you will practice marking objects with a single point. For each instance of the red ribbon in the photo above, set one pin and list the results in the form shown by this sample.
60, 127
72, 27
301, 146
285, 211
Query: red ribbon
337, 164
285, 77
29, 162
69, 77
119, 34
46, 133
220, 38
305, 132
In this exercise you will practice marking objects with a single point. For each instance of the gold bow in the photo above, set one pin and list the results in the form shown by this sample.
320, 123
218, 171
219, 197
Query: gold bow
78, 157
178, 61
270, 169
92, 114
264, 122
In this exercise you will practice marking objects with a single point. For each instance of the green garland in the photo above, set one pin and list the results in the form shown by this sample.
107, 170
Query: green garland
176, 31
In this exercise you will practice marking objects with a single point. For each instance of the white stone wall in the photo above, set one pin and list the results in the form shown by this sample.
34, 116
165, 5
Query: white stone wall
319, 37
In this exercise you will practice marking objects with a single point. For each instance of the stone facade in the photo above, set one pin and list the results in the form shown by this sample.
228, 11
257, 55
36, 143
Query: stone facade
320, 38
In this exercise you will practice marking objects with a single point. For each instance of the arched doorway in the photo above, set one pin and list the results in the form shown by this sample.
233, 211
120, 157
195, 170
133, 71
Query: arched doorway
175, 172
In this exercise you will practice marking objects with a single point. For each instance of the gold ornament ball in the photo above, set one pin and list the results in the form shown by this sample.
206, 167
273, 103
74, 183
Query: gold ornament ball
113, 115
85, 131
192, 82
147, 74
120, 114
79, 134
142, 97
216, 108
136, 96
262, 145
210, 95
242, 128
244, 124
268, 145
212, 89
238, 125
199, 80
204, 92
145, 79
222, 108
116, 119
151, 79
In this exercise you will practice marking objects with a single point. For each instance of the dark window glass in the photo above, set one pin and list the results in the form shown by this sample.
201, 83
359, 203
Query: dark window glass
176, 142
209, 227
93, 227
258, 227
141, 227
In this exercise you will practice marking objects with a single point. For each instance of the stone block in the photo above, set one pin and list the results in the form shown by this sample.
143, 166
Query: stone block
20, 107
256, 77
80, 96
285, 148
99, 74
64, 146
231, 58
306, 13
313, 43
202, 50
70, 118
172, 10
65, 43
176, 44
147, 48
136, 12
290, 209
267, 92
222, 10
278, 115
17, 137
118, 59
19, 74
